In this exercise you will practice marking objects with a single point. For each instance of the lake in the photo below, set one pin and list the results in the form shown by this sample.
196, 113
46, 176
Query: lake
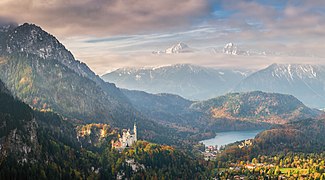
224, 138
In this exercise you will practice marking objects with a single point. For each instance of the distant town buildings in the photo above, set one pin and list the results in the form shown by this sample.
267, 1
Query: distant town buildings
210, 153
127, 139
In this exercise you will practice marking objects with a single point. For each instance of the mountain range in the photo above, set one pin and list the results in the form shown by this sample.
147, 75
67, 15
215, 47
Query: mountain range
233, 49
189, 81
233, 111
306, 82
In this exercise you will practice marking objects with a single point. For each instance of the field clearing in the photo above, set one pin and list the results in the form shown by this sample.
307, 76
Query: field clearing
301, 171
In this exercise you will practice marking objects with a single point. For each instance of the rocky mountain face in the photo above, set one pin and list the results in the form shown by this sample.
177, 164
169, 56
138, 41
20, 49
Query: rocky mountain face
32, 40
189, 81
38, 69
3, 88
18, 126
95, 136
40, 145
306, 82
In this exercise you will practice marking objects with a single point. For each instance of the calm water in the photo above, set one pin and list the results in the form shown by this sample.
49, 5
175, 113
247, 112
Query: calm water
225, 138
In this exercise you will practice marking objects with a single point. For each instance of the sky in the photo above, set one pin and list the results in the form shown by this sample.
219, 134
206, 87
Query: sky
111, 34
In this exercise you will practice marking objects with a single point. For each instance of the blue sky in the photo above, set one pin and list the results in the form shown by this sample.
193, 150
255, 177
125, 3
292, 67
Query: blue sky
109, 34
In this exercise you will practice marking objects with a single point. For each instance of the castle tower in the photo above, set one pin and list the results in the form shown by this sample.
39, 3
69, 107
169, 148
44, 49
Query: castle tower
135, 131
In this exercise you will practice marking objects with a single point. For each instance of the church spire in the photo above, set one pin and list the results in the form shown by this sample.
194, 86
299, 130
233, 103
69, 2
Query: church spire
135, 130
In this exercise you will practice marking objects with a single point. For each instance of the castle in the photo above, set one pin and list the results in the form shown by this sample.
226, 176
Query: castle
127, 139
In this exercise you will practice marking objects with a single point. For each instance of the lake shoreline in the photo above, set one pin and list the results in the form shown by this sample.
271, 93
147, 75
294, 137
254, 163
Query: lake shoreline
228, 137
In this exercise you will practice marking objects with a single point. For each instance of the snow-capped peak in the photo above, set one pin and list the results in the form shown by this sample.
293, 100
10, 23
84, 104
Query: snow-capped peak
292, 71
230, 48
176, 49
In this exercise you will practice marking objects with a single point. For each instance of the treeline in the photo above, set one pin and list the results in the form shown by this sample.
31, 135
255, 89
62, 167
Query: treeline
165, 162
288, 166
306, 136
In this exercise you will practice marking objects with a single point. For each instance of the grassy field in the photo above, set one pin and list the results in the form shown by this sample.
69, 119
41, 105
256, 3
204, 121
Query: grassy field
301, 171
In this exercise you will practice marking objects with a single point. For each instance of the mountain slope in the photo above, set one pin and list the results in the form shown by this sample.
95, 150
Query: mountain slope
306, 82
33, 143
299, 137
292, 137
171, 111
17, 121
38, 69
256, 106
41, 145
189, 81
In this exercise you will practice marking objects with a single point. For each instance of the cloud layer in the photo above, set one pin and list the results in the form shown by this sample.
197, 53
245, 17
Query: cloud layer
105, 17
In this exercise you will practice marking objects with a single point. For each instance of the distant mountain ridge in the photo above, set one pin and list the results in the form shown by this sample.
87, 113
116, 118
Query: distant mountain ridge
233, 111
306, 82
256, 106
189, 81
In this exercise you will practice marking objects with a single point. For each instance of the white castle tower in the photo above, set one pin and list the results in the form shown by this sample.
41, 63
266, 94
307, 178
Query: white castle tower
135, 131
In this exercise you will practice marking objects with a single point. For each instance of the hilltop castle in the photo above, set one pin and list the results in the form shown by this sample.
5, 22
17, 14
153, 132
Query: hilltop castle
127, 139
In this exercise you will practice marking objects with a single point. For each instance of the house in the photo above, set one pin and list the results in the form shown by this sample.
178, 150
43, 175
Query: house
250, 166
